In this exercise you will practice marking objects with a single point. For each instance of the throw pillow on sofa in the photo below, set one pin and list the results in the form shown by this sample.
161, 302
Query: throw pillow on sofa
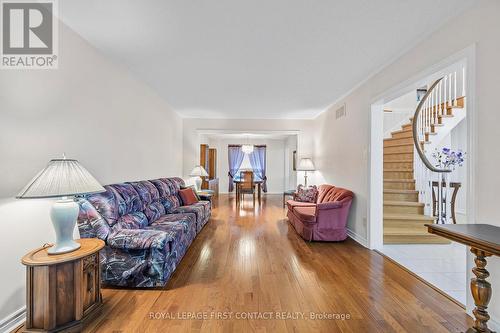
188, 196
306, 194
194, 190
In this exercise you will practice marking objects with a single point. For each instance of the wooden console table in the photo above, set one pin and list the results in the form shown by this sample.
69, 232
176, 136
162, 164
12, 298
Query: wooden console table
483, 240
63, 290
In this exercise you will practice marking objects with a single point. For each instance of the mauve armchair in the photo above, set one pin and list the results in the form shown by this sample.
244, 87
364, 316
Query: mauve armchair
325, 219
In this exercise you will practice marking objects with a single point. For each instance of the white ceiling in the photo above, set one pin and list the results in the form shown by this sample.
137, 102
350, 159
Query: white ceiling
255, 58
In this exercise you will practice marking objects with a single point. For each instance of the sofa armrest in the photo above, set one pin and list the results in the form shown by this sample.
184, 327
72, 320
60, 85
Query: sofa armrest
333, 215
329, 205
138, 239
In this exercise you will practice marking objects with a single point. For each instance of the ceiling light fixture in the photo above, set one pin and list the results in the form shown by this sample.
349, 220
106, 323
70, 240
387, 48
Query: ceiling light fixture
247, 148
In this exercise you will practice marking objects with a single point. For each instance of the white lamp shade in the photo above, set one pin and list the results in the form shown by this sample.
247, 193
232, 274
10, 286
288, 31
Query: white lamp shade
306, 164
61, 178
198, 171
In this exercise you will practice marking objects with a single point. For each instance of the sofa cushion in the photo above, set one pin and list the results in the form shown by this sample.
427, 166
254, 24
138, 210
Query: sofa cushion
341, 194
181, 234
206, 207
150, 197
187, 221
106, 204
306, 194
165, 188
292, 203
148, 193
199, 211
162, 187
136, 220
305, 214
128, 199
179, 181
174, 185
188, 196
328, 193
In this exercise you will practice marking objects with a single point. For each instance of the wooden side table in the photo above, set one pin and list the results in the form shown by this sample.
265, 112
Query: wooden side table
484, 241
63, 290
289, 193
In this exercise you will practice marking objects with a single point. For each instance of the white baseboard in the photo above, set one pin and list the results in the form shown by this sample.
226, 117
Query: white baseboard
12, 321
357, 237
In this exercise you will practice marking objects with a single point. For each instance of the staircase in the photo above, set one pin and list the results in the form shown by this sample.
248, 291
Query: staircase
404, 215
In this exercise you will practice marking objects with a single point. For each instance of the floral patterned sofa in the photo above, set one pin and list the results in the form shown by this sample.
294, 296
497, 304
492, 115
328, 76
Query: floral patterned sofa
146, 229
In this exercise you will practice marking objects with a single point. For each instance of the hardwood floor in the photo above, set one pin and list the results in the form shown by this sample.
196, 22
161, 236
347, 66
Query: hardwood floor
250, 260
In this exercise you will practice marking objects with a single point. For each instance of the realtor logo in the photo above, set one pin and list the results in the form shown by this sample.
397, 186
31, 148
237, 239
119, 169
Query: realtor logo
29, 34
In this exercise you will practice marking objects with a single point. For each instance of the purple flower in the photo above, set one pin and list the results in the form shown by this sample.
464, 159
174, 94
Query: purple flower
447, 158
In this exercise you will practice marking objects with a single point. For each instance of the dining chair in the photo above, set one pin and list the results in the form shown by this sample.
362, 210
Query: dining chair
246, 185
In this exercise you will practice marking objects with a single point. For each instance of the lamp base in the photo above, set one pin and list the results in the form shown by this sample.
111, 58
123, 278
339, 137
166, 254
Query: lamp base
197, 183
59, 248
64, 214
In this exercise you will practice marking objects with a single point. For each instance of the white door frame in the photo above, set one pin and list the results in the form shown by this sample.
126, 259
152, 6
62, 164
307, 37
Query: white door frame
375, 171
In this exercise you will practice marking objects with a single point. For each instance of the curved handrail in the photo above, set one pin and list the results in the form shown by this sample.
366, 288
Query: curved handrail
420, 152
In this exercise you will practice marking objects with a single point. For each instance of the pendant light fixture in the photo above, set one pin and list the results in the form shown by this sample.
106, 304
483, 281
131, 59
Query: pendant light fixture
247, 148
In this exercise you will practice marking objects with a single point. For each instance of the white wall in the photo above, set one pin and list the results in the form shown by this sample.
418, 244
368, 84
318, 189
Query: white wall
275, 163
402, 109
93, 111
290, 174
458, 141
344, 160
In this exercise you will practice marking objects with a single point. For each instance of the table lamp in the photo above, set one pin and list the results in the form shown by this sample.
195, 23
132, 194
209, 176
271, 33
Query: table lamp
306, 164
62, 179
198, 172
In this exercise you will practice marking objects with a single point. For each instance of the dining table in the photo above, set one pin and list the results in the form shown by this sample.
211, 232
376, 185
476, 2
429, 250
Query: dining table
257, 182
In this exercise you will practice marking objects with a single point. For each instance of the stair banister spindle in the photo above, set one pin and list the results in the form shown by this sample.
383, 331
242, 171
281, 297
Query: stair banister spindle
426, 114
431, 111
440, 99
429, 116
463, 81
449, 89
438, 103
438, 110
424, 119
445, 90
455, 90
419, 124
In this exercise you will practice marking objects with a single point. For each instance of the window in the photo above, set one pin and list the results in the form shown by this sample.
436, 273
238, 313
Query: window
245, 165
